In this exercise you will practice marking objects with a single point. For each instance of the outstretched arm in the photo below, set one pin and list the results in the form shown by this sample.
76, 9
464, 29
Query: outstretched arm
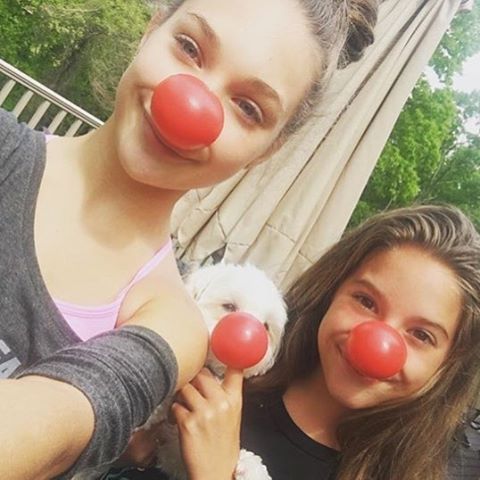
45, 426
95, 393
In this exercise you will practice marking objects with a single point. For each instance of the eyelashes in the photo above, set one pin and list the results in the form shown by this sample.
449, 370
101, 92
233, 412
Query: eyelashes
423, 336
250, 110
365, 301
190, 48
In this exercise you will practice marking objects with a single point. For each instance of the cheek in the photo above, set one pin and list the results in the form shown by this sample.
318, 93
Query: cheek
250, 142
421, 366
234, 149
325, 335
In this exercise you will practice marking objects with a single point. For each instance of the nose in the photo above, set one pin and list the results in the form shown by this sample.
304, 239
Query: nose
376, 349
187, 114
239, 340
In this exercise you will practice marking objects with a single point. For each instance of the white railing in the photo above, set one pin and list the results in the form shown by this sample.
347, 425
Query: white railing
62, 114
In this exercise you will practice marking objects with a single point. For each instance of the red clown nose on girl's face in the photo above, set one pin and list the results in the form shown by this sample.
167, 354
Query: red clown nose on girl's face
376, 350
187, 114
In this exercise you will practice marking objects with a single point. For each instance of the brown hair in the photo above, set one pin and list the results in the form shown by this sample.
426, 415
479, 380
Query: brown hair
409, 440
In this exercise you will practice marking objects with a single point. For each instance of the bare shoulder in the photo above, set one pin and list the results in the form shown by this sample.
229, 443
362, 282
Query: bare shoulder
161, 302
163, 288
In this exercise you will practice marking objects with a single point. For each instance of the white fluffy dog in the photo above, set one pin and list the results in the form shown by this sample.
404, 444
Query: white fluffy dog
218, 290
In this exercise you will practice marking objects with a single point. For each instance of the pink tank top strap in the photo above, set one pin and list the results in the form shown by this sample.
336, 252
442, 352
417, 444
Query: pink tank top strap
87, 321
148, 267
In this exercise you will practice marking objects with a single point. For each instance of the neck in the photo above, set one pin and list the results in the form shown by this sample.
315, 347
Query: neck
108, 198
314, 410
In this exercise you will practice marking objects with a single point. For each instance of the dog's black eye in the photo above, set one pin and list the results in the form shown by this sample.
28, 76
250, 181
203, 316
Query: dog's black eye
267, 328
230, 307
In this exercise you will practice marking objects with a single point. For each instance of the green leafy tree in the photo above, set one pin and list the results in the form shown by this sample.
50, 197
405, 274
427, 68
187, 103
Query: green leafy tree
431, 156
461, 41
76, 47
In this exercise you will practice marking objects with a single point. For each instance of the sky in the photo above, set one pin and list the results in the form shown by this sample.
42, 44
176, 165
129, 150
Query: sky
467, 81
470, 78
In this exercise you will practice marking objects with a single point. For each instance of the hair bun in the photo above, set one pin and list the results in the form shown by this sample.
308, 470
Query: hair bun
361, 16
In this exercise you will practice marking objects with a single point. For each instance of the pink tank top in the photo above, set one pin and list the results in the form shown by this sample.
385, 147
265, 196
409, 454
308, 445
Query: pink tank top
87, 322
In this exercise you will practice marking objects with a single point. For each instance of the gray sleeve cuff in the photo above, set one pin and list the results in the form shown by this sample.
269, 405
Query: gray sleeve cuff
125, 374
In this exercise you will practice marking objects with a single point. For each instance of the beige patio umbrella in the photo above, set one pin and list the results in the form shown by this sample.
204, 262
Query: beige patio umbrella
281, 215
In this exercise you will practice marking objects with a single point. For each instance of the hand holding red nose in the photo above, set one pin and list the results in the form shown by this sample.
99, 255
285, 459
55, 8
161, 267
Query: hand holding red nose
239, 340
186, 113
376, 350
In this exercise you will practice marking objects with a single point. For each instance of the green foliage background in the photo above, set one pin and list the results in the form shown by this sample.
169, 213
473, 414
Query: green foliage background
79, 48
430, 155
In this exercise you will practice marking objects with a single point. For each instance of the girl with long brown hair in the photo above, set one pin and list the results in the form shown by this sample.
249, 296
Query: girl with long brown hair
315, 415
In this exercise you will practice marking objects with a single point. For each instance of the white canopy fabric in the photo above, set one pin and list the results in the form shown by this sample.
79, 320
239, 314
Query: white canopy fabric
282, 214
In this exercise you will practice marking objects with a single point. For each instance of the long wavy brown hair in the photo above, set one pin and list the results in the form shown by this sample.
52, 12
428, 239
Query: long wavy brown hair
411, 439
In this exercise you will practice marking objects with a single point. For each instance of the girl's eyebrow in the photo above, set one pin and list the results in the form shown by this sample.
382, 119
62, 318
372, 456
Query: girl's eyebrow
435, 325
206, 29
264, 89
254, 83
367, 284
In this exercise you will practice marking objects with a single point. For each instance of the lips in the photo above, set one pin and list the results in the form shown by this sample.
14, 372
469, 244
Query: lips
161, 140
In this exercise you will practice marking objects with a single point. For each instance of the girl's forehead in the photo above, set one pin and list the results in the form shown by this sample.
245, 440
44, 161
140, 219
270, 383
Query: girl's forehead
259, 38
261, 22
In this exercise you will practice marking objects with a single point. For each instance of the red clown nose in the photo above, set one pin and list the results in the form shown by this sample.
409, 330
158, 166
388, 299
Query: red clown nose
187, 114
239, 340
376, 350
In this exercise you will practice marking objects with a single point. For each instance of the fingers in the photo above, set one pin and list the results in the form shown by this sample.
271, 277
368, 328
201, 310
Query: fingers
206, 383
190, 397
233, 381
205, 386
207, 397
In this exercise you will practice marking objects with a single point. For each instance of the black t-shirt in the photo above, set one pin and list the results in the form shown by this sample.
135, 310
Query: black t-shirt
267, 431
287, 452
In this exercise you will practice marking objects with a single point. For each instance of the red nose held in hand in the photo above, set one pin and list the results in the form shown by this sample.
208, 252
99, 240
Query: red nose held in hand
187, 114
376, 350
239, 340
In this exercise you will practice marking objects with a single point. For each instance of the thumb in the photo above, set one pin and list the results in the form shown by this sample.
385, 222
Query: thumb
233, 380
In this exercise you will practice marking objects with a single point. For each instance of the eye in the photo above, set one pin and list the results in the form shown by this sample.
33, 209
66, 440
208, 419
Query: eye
365, 301
423, 336
249, 110
189, 48
229, 307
